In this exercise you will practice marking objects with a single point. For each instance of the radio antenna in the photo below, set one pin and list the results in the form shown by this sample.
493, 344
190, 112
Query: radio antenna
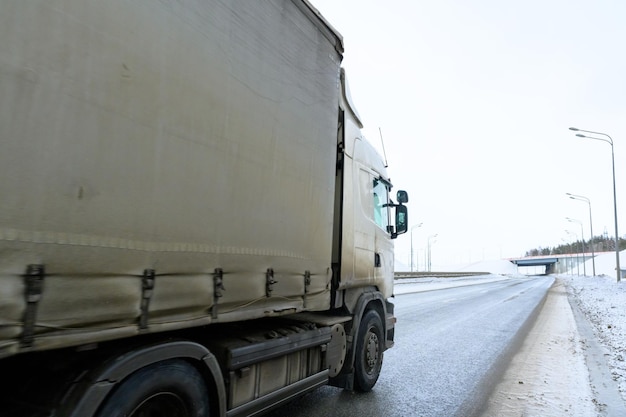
383, 143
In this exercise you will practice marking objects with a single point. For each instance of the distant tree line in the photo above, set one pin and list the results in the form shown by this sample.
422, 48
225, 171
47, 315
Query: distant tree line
600, 244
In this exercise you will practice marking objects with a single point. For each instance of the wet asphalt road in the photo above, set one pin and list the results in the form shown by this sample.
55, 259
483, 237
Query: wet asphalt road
451, 346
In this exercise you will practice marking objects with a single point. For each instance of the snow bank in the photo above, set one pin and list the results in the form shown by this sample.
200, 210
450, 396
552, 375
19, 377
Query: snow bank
603, 300
500, 267
605, 264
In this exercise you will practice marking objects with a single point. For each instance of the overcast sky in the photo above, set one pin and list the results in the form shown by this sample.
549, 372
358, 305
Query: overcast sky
474, 100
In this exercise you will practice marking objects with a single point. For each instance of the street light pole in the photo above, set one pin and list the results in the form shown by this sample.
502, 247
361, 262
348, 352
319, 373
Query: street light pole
582, 237
429, 263
569, 232
569, 264
593, 254
414, 227
610, 142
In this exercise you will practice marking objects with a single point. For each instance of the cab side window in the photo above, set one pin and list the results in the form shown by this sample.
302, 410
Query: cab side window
381, 204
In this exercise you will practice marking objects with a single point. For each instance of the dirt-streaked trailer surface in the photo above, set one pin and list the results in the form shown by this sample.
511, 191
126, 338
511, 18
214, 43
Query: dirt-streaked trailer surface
170, 166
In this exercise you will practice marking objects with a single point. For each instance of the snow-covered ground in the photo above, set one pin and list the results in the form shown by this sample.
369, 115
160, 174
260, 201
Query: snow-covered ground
548, 376
603, 301
553, 374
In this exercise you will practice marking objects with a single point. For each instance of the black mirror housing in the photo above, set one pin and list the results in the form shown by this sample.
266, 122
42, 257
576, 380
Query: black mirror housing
402, 220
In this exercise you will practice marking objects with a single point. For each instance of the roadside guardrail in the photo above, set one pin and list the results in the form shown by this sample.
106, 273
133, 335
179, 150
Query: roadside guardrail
423, 274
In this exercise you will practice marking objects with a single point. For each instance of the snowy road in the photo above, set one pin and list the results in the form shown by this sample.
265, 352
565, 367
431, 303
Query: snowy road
449, 344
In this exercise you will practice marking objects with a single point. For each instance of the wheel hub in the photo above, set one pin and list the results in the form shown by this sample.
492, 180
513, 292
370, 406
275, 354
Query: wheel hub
371, 351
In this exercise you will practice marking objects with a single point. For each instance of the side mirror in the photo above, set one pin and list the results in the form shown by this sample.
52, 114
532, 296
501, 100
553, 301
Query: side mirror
402, 196
402, 221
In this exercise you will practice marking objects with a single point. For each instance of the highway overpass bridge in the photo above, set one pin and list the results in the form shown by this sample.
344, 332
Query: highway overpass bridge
549, 263
555, 263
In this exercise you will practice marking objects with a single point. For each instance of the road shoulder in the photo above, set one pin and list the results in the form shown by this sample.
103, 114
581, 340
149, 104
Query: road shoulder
548, 376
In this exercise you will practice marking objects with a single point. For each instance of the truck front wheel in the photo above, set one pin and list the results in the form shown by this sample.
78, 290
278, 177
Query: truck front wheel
172, 388
369, 351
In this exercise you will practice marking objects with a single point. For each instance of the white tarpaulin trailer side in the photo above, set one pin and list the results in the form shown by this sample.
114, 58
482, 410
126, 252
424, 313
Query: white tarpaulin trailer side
158, 169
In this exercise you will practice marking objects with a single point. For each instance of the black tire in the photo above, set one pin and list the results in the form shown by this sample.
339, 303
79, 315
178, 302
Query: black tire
172, 388
368, 359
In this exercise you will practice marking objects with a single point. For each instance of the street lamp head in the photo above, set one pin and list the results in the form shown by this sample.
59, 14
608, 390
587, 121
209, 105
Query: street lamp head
580, 135
578, 197
416, 226
574, 129
574, 221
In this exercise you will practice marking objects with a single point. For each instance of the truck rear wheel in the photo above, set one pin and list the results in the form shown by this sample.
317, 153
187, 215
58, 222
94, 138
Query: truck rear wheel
171, 388
369, 351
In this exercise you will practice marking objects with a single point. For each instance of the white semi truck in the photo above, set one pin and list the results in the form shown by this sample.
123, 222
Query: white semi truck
191, 222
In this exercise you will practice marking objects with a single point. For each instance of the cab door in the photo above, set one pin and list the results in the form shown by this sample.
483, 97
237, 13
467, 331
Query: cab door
383, 244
